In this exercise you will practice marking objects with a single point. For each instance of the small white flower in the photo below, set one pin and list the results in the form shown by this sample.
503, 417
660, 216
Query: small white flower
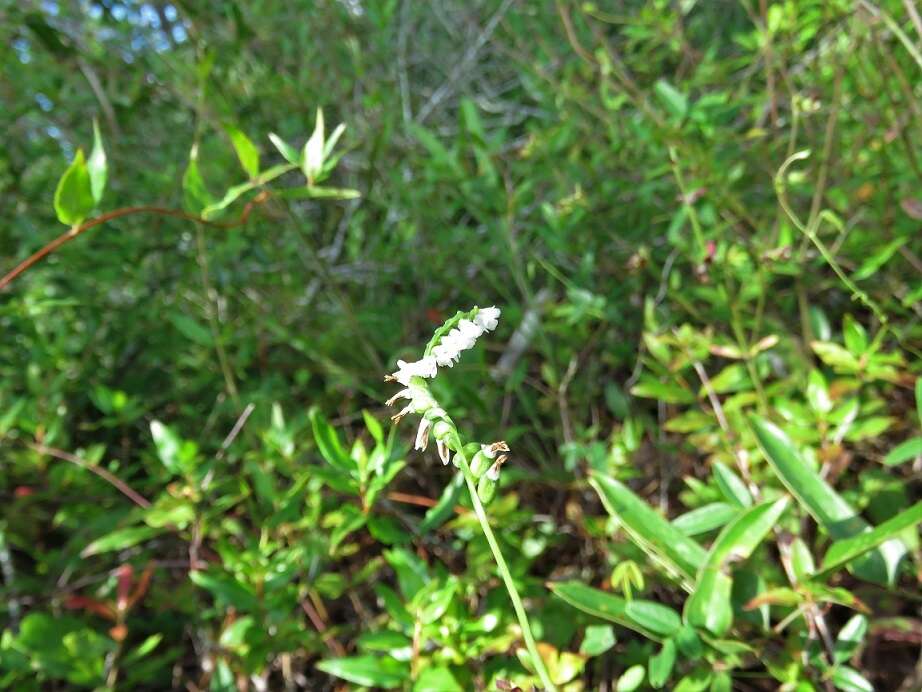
493, 472
425, 425
460, 341
427, 367
404, 411
444, 451
405, 393
487, 318
422, 434
445, 355
469, 329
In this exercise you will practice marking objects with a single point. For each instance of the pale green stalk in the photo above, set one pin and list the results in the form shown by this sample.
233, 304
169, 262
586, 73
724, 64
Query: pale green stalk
503, 569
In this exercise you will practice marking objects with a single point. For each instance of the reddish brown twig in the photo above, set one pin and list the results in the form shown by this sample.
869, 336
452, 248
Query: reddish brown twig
110, 478
421, 501
77, 231
335, 647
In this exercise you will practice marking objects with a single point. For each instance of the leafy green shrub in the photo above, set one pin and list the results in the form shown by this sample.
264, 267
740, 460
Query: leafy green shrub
700, 220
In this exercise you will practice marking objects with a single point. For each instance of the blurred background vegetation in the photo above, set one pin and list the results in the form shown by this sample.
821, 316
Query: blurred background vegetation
179, 511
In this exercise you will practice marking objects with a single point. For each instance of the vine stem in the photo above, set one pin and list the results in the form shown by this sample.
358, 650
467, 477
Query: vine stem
503, 568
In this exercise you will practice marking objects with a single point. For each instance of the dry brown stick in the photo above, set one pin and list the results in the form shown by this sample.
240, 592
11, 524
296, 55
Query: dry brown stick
321, 627
80, 229
107, 476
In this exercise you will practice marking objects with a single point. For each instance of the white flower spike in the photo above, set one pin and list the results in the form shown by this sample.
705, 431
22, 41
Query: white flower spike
448, 351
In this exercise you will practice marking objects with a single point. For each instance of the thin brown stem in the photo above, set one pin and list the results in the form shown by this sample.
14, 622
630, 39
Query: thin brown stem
80, 229
107, 476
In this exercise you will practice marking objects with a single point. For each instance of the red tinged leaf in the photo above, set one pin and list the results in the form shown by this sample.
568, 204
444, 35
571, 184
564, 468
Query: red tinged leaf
90, 605
912, 207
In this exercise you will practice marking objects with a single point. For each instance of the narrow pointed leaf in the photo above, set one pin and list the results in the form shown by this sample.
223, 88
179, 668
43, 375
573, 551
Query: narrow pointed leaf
731, 485
97, 165
710, 604
247, 152
601, 604
848, 549
910, 449
705, 518
663, 542
655, 617
829, 509
285, 149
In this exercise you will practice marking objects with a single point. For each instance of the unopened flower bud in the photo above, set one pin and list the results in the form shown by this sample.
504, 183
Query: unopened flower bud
480, 463
486, 489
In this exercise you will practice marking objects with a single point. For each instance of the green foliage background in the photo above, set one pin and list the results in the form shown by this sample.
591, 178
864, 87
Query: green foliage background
607, 174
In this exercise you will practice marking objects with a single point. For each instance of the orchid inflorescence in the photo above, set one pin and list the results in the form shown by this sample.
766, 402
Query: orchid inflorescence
458, 334
479, 464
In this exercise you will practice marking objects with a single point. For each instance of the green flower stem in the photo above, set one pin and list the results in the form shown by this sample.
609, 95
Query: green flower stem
530, 644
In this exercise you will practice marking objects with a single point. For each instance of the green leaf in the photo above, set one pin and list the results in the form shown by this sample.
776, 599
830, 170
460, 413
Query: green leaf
370, 671
73, 198
332, 140
445, 507
846, 550
710, 606
856, 338
731, 486
722, 682
850, 680
674, 101
176, 455
818, 393
195, 195
433, 679
836, 357
235, 192
631, 679
192, 330
850, 638
802, 560
878, 259
412, 574
598, 603
597, 639
120, 539
225, 588
741, 537
329, 445
170, 511
350, 519
689, 643
651, 388
290, 154
833, 513
97, 166
705, 518
654, 617
732, 378
910, 449
710, 603
660, 665
664, 543
246, 150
